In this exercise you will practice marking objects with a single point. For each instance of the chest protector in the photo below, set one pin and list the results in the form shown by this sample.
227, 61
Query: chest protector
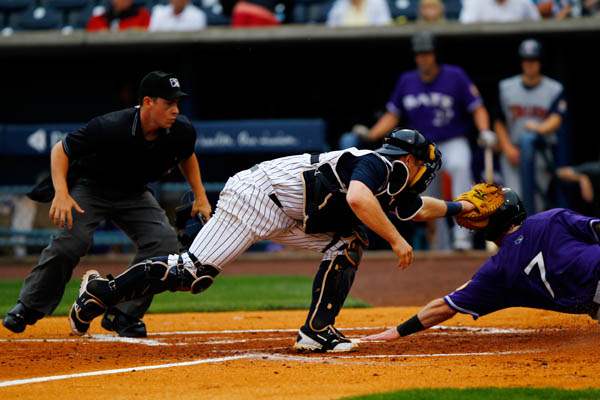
325, 205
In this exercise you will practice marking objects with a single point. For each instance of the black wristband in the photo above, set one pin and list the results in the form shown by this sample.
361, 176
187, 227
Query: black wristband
410, 326
453, 208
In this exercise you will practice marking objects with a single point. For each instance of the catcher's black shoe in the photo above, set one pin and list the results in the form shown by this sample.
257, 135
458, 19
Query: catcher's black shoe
87, 306
17, 319
328, 340
125, 325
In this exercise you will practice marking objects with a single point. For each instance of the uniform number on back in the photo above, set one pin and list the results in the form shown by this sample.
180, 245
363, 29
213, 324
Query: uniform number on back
538, 260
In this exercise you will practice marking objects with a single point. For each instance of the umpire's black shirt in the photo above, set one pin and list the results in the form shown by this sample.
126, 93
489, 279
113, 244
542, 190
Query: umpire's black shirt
110, 152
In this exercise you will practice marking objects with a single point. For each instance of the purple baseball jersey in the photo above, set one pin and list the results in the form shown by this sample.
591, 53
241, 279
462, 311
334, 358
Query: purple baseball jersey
551, 262
440, 109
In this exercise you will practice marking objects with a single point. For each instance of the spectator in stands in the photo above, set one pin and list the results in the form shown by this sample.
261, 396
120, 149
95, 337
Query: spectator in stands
531, 111
256, 13
120, 15
359, 13
498, 11
101, 172
558, 9
591, 7
431, 11
178, 15
440, 101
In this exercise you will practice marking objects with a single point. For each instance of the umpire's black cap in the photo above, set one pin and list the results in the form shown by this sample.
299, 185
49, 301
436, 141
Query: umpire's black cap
530, 49
423, 42
161, 84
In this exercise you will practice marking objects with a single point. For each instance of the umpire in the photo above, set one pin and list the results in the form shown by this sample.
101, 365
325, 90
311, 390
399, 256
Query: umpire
100, 172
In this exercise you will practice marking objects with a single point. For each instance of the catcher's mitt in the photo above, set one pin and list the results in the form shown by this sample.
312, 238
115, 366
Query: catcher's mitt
487, 198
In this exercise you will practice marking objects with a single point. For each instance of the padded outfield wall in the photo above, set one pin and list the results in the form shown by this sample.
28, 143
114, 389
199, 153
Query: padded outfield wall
341, 75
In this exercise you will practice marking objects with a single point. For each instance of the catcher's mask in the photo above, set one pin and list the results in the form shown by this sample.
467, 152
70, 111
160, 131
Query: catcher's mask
511, 212
408, 141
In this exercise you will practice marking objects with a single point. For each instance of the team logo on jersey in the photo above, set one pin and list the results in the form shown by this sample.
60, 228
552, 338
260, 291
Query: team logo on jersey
174, 82
519, 239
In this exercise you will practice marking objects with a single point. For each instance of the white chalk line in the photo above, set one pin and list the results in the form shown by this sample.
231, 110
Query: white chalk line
160, 342
252, 356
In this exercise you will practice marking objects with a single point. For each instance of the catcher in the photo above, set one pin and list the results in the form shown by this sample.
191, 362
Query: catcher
548, 261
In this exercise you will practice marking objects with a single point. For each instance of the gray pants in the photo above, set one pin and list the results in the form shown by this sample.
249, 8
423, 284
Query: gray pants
139, 216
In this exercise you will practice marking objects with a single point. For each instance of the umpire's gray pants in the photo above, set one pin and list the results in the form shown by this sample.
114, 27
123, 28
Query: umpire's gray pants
139, 216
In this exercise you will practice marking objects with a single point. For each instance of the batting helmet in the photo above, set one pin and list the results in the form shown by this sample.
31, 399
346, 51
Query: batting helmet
423, 42
511, 212
530, 49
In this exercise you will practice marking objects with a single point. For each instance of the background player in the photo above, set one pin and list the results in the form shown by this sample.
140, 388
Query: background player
532, 110
100, 172
549, 261
438, 100
314, 202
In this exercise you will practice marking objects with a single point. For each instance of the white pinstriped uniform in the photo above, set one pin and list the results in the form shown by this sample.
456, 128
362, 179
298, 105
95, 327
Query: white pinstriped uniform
246, 214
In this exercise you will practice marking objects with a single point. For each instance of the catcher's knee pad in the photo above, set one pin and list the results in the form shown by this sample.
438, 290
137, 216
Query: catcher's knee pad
331, 287
176, 272
186, 273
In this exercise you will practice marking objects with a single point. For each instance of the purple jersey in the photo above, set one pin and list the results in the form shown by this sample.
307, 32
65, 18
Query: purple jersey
551, 262
441, 109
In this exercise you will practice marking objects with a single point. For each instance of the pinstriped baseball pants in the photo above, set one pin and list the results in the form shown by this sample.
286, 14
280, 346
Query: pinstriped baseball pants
246, 214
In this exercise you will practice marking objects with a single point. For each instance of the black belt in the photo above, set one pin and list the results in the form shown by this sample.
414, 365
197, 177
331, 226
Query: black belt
275, 200
314, 158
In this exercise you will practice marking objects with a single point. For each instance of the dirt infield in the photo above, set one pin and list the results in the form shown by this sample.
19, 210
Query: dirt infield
240, 355
248, 355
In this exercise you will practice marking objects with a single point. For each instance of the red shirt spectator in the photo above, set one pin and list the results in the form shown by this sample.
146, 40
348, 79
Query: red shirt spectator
122, 15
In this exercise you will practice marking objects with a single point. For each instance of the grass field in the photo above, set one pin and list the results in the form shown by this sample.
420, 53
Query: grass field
229, 293
485, 394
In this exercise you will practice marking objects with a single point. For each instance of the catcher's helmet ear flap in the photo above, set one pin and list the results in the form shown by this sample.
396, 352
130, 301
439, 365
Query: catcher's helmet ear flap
511, 212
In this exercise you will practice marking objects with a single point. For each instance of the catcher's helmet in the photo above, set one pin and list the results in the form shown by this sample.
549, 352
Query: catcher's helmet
511, 212
401, 142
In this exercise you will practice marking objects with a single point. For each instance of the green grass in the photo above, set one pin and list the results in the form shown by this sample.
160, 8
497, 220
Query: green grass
228, 293
485, 394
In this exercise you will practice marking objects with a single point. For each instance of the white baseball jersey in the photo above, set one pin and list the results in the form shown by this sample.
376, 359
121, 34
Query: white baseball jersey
246, 213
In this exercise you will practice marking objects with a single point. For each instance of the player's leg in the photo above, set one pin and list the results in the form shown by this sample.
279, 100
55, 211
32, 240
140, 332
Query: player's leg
457, 160
44, 287
331, 286
240, 216
527, 168
147, 225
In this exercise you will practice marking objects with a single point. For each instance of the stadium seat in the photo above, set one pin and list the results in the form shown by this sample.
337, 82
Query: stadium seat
39, 18
452, 8
311, 11
213, 11
9, 8
404, 9
67, 5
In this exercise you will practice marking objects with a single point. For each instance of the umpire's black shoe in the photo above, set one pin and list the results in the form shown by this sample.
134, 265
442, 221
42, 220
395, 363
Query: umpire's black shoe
87, 306
17, 319
325, 341
125, 325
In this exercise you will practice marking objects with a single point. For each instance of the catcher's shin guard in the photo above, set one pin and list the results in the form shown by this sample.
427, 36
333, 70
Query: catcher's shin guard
176, 272
331, 287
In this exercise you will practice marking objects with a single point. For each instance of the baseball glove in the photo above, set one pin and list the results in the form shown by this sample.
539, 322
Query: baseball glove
487, 198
